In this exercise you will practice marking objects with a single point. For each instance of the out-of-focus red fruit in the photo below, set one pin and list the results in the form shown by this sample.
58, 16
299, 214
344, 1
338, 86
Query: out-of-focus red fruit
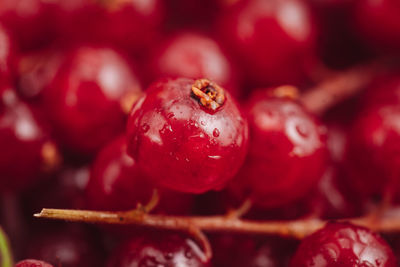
379, 23
274, 40
7, 54
187, 135
32, 263
28, 152
132, 25
157, 249
373, 158
116, 183
65, 246
199, 56
89, 97
287, 152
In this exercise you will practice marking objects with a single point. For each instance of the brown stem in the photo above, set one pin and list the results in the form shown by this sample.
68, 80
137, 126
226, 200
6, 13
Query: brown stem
296, 228
339, 87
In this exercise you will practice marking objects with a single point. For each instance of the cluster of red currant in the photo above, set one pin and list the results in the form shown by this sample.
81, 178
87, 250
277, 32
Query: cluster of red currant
200, 133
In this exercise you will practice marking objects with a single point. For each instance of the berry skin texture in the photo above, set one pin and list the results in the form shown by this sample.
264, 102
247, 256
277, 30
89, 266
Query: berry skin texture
344, 245
198, 56
287, 152
273, 40
373, 156
116, 183
158, 250
32, 263
89, 97
183, 141
28, 151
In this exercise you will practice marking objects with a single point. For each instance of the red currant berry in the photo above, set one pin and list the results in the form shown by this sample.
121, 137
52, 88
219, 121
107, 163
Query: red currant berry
344, 245
89, 97
6, 54
274, 40
158, 250
198, 56
287, 152
379, 23
132, 25
384, 89
116, 183
25, 141
373, 156
65, 246
33, 263
187, 135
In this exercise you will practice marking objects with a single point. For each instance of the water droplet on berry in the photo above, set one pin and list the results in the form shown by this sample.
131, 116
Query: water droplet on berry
216, 132
145, 127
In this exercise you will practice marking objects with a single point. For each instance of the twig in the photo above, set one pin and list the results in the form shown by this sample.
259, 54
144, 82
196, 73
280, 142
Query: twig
339, 87
296, 228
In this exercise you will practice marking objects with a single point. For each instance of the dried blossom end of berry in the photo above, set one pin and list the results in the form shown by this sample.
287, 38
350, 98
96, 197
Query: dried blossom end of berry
209, 94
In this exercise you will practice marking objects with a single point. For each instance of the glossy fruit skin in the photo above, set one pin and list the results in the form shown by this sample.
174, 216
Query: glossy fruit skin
273, 40
7, 54
379, 23
116, 183
89, 97
132, 25
287, 152
373, 156
198, 56
158, 249
170, 132
343, 244
28, 151
68, 246
32, 263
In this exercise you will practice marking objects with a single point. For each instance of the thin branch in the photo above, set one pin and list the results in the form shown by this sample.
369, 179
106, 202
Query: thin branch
296, 228
339, 87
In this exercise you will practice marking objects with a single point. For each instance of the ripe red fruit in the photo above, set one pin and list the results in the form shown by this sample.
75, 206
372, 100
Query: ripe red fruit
116, 183
379, 23
28, 152
89, 97
198, 56
287, 151
158, 250
273, 40
187, 135
344, 245
32, 263
373, 157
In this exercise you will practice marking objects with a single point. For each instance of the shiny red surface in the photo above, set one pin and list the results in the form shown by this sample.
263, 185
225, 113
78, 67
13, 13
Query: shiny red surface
24, 138
116, 183
199, 56
344, 245
86, 99
287, 152
273, 40
180, 144
158, 250
379, 23
32, 263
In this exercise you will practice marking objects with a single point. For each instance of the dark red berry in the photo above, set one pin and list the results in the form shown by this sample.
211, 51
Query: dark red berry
198, 56
7, 54
32, 263
89, 97
344, 245
155, 249
65, 246
187, 135
379, 23
287, 152
116, 183
28, 152
273, 40
373, 157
